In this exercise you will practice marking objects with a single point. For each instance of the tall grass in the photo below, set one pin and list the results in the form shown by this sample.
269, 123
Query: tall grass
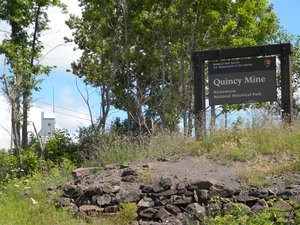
265, 147
264, 150
122, 149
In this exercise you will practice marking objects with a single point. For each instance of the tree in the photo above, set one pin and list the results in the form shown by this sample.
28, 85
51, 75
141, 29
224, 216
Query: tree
22, 49
142, 49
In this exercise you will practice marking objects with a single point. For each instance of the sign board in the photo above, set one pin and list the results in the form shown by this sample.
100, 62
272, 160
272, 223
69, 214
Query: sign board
242, 81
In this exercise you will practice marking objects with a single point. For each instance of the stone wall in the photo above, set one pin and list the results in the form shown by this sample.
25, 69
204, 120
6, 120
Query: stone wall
165, 201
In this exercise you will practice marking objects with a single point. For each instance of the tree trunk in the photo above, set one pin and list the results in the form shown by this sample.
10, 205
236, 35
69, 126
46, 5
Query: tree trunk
27, 81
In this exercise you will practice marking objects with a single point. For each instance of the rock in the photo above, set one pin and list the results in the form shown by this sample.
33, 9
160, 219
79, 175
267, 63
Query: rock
103, 200
147, 189
168, 192
93, 190
282, 206
260, 206
173, 209
163, 184
125, 195
202, 196
146, 202
171, 220
287, 193
196, 211
72, 191
260, 192
148, 213
91, 210
124, 166
169, 200
181, 185
112, 167
83, 200
141, 222
295, 187
162, 214
64, 201
230, 208
246, 199
223, 191
180, 200
82, 172
129, 178
111, 209
107, 188
185, 192
295, 198
129, 171
202, 184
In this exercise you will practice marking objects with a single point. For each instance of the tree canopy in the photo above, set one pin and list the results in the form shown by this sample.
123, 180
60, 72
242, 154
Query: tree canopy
140, 50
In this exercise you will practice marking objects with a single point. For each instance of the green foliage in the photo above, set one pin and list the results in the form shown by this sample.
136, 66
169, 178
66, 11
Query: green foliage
267, 148
59, 147
98, 149
140, 50
126, 215
241, 215
29, 162
8, 167
26, 200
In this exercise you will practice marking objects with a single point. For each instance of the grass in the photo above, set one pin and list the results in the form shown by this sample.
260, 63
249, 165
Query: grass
116, 149
265, 148
265, 151
27, 202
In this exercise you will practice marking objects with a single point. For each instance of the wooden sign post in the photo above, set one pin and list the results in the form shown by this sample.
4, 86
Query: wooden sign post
284, 52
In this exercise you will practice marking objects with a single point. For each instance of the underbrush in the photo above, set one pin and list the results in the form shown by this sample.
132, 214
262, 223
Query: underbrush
224, 213
113, 148
264, 151
27, 200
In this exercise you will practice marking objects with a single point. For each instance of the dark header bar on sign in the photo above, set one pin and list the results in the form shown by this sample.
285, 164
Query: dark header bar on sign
263, 50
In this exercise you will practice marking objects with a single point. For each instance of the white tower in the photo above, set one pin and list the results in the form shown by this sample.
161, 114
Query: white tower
47, 126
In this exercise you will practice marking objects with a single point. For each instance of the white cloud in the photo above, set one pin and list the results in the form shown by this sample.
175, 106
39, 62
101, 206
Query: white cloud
71, 116
4, 124
57, 52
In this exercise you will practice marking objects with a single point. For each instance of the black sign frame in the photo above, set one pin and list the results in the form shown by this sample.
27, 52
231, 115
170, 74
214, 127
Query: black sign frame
284, 52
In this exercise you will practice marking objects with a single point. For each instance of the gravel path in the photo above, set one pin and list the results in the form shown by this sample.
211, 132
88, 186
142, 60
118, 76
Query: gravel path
191, 167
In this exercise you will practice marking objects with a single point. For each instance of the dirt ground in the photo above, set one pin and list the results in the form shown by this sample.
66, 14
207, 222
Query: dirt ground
200, 167
192, 167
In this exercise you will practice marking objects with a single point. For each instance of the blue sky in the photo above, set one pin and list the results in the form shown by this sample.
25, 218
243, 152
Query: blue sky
288, 13
71, 111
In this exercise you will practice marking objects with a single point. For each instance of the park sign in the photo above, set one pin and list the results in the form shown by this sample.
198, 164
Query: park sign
242, 81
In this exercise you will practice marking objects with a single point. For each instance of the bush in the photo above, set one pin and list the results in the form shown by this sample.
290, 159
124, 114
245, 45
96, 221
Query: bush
59, 147
8, 167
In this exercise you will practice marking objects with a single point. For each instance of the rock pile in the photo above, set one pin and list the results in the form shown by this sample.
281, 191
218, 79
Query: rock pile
165, 201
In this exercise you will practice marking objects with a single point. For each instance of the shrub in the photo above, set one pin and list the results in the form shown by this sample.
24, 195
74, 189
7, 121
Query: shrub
8, 167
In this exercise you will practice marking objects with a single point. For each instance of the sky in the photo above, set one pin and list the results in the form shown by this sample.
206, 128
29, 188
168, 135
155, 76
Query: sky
59, 87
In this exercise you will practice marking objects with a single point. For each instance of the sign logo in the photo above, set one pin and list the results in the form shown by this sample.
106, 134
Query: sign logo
267, 62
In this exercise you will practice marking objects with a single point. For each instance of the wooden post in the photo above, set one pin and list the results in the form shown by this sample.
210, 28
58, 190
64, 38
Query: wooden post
286, 84
199, 90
